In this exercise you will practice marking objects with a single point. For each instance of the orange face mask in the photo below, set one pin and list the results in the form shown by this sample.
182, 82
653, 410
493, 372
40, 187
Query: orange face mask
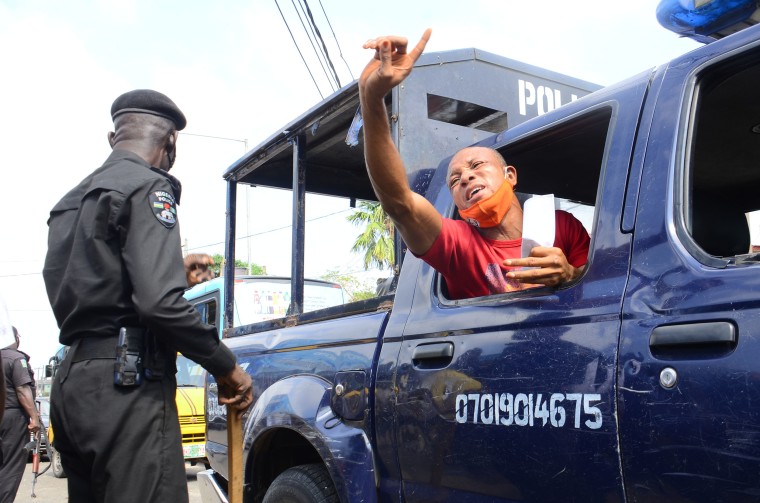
490, 212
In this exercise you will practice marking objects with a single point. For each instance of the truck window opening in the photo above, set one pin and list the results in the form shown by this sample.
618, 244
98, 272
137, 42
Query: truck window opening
722, 180
466, 114
565, 160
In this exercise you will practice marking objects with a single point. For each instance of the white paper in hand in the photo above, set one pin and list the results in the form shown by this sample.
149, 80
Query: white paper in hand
538, 223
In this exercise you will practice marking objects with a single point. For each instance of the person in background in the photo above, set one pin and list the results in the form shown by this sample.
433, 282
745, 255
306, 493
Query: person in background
21, 418
197, 268
6, 339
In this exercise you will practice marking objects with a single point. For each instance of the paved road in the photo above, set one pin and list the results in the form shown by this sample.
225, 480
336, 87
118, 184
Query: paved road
52, 490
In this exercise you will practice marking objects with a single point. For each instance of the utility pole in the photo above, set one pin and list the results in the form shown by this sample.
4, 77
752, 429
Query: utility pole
247, 198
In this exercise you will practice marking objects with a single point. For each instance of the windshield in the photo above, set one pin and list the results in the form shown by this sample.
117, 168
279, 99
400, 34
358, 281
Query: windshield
189, 373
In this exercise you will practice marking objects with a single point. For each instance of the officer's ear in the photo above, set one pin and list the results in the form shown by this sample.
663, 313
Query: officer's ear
111, 136
170, 149
171, 142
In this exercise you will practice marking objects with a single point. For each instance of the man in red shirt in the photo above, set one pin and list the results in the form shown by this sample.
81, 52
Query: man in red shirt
480, 255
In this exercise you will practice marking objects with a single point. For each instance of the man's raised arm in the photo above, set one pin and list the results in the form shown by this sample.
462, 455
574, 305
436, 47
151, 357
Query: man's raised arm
416, 219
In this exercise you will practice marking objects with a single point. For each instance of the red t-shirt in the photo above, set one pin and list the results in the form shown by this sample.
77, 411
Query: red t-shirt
473, 265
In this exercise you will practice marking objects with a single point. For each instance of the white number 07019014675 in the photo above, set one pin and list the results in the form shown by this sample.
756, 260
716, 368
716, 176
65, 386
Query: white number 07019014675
528, 409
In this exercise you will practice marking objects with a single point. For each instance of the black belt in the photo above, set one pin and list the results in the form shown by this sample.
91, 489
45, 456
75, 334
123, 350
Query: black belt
93, 348
88, 348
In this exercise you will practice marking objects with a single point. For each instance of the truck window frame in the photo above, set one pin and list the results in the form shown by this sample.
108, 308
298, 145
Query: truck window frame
692, 170
212, 297
593, 121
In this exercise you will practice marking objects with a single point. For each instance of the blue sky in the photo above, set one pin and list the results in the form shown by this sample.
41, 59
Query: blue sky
234, 70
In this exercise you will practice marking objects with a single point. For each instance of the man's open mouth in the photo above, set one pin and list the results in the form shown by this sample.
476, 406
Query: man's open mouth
474, 191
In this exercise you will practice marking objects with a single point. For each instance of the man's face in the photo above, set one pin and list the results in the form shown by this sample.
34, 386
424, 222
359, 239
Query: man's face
475, 174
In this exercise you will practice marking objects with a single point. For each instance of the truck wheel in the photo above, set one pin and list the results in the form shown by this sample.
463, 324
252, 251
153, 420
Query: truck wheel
55, 463
302, 484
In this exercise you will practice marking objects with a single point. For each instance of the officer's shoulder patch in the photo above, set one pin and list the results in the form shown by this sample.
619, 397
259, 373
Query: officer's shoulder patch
164, 207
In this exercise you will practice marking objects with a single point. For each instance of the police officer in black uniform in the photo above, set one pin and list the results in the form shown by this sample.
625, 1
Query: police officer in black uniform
21, 418
114, 265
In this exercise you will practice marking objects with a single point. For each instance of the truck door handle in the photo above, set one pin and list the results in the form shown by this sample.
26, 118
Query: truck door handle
434, 355
431, 351
711, 336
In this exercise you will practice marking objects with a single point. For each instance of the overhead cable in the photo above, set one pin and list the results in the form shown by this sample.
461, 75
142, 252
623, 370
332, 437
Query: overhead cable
239, 238
299, 50
340, 51
311, 41
321, 40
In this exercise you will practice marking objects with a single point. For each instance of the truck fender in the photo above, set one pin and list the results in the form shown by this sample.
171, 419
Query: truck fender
300, 404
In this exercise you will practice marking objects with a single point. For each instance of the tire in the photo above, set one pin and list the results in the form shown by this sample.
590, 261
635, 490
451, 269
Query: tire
55, 463
302, 484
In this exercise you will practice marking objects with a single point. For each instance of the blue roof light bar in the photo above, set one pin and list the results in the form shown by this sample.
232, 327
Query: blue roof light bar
707, 20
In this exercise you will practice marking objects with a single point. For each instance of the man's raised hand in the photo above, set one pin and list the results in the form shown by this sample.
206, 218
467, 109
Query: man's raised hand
391, 63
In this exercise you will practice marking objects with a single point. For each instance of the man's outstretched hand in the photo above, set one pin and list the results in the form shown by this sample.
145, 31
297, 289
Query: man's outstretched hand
390, 65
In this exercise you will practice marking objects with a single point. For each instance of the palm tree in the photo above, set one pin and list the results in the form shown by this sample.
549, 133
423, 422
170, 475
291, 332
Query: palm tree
376, 241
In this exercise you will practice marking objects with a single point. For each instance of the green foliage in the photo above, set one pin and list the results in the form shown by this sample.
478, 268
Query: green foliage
376, 240
355, 288
219, 262
363, 294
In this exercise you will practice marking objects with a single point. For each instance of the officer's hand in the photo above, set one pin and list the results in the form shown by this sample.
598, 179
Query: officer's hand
197, 268
235, 389
34, 425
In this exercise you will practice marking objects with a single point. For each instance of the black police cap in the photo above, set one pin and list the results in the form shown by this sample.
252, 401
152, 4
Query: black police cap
146, 101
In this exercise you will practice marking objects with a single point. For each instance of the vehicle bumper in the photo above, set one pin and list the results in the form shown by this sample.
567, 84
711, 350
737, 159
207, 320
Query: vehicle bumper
210, 490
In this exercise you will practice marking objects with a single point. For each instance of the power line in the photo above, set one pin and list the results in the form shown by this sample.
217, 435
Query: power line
220, 242
271, 230
311, 41
22, 274
212, 244
319, 36
340, 51
299, 50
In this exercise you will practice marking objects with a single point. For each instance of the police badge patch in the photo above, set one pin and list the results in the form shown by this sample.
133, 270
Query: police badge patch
164, 208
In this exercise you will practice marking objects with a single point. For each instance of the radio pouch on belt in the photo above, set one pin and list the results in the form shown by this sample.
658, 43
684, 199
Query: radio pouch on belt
127, 370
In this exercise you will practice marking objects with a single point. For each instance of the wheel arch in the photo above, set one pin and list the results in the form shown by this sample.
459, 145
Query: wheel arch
292, 424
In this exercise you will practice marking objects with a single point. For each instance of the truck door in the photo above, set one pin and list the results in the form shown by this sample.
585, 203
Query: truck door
511, 396
689, 392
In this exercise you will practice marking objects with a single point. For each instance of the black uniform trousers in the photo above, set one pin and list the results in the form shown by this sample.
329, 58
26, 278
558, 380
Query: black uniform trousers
117, 444
14, 433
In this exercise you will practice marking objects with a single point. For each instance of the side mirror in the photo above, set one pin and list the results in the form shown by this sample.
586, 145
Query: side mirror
51, 367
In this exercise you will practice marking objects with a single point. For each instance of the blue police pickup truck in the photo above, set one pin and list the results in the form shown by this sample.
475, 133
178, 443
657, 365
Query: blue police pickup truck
639, 382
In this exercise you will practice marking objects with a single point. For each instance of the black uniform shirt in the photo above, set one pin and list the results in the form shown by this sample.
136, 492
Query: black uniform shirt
114, 260
17, 374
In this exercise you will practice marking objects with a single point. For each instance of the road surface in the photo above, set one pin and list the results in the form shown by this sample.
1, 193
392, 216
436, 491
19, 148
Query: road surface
52, 490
